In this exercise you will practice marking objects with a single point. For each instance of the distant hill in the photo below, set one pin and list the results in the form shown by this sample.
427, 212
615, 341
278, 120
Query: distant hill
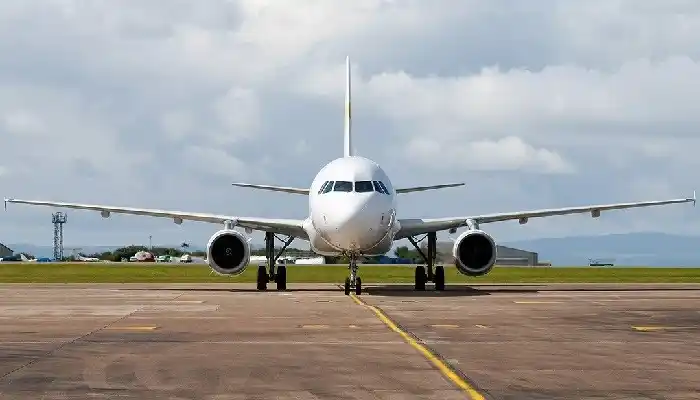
641, 249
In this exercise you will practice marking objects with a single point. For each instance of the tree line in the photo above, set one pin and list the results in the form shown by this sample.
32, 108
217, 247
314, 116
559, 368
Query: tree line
127, 252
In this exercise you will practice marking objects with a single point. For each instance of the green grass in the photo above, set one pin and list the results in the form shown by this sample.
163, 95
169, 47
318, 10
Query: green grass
160, 273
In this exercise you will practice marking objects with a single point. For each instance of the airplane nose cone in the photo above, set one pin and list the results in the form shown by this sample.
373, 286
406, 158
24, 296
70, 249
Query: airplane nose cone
356, 226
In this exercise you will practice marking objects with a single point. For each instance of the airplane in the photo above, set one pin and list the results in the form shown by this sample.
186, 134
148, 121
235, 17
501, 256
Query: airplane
352, 212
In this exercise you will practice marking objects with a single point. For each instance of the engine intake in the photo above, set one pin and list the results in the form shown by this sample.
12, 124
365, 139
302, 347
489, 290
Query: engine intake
474, 252
228, 252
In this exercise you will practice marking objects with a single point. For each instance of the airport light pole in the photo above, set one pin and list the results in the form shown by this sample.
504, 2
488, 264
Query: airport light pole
150, 242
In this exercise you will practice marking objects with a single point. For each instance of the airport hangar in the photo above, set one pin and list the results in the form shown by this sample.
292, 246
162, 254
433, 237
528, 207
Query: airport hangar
5, 251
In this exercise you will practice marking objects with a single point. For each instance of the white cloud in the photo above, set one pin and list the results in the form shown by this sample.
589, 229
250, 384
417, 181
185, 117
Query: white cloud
101, 101
239, 113
509, 153
209, 159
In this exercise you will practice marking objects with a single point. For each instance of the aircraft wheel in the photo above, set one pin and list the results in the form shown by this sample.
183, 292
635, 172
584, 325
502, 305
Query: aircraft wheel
281, 277
262, 277
347, 285
439, 277
358, 286
420, 277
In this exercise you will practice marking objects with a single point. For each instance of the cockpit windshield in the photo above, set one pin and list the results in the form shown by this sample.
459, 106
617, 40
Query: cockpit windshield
364, 186
342, 186
358, 187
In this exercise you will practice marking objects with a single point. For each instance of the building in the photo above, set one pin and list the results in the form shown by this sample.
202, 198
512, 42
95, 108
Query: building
512, 256
5, 251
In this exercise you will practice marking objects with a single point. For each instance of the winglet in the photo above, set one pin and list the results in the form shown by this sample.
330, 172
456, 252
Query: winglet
693, 198
6, 200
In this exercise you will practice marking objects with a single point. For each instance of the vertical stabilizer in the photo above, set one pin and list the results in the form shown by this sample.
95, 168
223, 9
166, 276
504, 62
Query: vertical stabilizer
348, 119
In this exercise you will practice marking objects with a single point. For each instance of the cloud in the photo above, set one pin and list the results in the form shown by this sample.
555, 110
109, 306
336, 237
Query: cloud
534, 105
509, 153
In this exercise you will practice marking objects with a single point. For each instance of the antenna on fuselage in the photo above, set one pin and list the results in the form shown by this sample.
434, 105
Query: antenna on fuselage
348, 119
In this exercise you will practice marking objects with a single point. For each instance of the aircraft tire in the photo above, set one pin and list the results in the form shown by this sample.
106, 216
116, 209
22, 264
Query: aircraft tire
262, 277
420, 278
439, 277
281, 277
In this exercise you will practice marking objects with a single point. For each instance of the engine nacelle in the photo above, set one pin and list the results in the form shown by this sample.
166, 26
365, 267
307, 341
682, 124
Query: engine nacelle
228, 252
474, 252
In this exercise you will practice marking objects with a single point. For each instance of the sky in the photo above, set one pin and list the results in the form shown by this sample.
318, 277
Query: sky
165, 103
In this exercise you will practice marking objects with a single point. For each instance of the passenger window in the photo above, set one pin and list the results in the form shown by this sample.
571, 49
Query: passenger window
364, 186
384, 187
328, 187
377, 187
323, 187
342, 186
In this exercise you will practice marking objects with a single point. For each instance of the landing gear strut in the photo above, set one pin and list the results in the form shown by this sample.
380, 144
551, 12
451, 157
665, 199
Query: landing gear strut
353, 281
423, 276
280, 275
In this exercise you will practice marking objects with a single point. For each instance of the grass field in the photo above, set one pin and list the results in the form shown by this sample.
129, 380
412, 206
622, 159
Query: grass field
174, 273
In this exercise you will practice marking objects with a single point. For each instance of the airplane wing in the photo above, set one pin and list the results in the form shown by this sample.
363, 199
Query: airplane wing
273, 188
290, 227
416, 226
306, 191
424, 188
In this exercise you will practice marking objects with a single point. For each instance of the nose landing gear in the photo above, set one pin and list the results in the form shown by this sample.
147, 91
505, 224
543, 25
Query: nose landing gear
353, 281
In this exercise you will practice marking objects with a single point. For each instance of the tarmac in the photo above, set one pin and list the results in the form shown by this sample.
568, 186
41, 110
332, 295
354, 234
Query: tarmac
228, 341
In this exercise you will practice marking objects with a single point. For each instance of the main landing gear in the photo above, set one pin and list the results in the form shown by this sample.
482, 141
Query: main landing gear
423, 276
280, 275
353, 281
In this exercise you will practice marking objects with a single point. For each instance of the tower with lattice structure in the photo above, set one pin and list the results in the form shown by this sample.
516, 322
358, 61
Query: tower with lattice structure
58, 220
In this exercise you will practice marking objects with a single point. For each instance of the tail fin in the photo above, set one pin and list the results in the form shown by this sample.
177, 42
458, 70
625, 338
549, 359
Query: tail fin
348, 120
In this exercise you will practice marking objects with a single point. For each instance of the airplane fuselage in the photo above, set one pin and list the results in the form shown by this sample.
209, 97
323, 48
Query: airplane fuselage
352, 209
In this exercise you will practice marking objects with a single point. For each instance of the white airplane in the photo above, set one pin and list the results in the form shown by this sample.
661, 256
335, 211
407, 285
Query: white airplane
352, 212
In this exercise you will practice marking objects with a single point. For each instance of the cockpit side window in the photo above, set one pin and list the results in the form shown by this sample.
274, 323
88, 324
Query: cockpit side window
364, 186
379, 187
327, 188
323, 187
342, 186
384, 187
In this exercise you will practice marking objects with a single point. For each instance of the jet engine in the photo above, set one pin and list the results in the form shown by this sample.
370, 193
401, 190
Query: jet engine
228, 252
474, 252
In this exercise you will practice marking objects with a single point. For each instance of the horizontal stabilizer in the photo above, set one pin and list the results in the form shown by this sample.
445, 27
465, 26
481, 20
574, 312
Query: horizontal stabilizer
424, 188
274, 188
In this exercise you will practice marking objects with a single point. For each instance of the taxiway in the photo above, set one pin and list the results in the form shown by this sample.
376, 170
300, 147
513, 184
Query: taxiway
228, 341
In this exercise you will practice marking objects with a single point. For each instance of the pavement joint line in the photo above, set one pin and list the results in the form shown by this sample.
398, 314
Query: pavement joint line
448, 371
64, 344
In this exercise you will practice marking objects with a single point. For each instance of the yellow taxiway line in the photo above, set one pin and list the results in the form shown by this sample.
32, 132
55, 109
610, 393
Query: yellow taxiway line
657, 328
131, 328
428, 354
